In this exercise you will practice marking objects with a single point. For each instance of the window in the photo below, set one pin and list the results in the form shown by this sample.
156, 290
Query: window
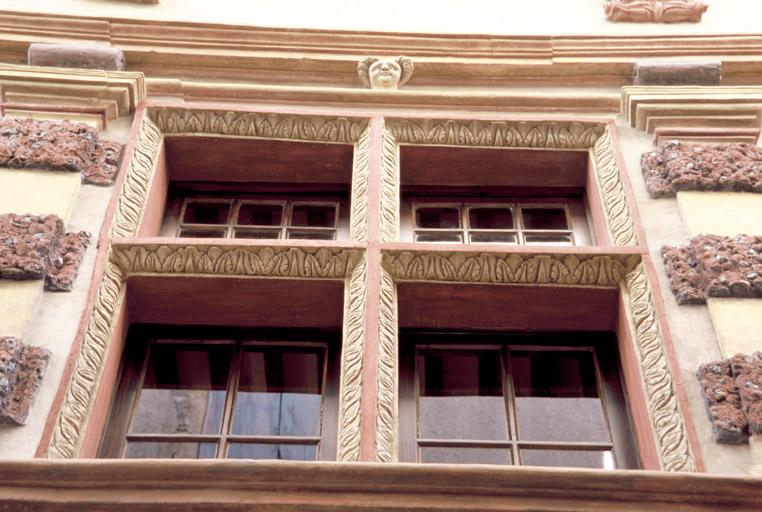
210, 217
521, 223
540, 400
243, 395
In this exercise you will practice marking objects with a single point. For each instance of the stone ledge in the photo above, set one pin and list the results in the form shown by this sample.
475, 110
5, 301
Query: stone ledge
732, 391
36, 247
715, 266
22, 368
676, 166
59, 145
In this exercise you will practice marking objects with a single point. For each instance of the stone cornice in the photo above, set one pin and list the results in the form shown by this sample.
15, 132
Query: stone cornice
323, 56
171, 485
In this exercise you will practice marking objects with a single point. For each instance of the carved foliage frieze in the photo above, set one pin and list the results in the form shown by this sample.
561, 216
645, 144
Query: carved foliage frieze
510, 268
390, 188
621, 225
253, 124
671, 433
358, 218
530, 134
386, 389
655, 11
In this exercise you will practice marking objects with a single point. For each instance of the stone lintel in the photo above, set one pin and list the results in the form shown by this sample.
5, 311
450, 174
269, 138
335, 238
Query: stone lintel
676, 166
678, 73
83, 56
22, 368
715, 266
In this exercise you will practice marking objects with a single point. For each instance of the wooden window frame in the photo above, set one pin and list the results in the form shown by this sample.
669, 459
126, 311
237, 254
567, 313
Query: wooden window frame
579, 229
611, 390
134, 366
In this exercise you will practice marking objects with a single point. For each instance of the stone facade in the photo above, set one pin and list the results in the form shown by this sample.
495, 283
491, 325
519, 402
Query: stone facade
732, 391
715, 266
676, 166
655, 11
22, 368
64, 145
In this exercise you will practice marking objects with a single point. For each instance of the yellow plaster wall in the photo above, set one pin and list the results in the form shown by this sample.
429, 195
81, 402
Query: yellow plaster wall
19, 300
38, 191
721, 213
736, 323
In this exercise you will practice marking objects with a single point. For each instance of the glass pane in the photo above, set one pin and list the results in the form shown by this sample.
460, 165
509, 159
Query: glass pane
166, 450
568, 458
437, 217
548, 238
202, 233
493, 237
544, 218
272, 451
183, 390
295, 234
439, 237
261, 234
199, 212
254, 214
490, 218
557, 397
461, 396
313, 216
279, 393
453, 455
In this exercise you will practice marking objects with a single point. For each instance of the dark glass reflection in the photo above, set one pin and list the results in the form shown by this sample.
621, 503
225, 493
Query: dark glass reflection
257, 214
544, 218
437, 217
461, 396
199, 212
279, 393
459, 455
490, 218
272, 451
166, 450
313, 216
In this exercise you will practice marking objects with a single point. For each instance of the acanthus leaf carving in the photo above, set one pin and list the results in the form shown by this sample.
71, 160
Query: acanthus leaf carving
390, 188
386, 389
358, 221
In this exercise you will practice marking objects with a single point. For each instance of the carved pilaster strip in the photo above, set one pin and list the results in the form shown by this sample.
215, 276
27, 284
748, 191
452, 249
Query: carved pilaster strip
390, 188
666, 418
619, 221
387, 385
137, 183
529, 134
253, 124
352, 351
69, 429
358, 217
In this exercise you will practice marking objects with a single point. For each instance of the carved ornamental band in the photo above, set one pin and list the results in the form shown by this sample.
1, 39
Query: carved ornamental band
655, 11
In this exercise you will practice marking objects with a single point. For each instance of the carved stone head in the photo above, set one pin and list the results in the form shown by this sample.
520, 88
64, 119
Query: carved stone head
385, 73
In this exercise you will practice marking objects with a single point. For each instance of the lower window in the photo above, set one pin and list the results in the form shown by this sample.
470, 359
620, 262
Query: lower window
540, 400
211, 393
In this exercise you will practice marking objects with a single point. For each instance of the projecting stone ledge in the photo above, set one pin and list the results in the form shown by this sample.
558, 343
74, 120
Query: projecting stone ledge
732, 391
59, 145
22, 368
715, 266
36, 247
723, 167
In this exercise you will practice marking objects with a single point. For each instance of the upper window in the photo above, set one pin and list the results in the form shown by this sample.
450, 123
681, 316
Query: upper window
521, 223
508, 400
243, 396
208, 217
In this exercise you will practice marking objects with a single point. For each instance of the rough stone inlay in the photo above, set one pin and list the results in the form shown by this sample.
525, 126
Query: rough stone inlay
676, 166
22, 368
715, 266
59, 145
36, 247
733, 394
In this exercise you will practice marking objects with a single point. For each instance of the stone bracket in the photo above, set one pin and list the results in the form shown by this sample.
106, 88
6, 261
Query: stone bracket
22, 368
655, 11
715, 266
732, 391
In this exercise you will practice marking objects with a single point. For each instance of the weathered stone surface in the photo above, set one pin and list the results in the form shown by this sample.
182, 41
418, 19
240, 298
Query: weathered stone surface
27, 243
83, 56
678, 73
655, 11
66, 260
22, 368
723, 403
747, 370
715, 266
60, 145
676, 166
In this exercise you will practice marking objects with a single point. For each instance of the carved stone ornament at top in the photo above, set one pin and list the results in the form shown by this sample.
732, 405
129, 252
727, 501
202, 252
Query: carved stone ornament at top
385, 73
655, 11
